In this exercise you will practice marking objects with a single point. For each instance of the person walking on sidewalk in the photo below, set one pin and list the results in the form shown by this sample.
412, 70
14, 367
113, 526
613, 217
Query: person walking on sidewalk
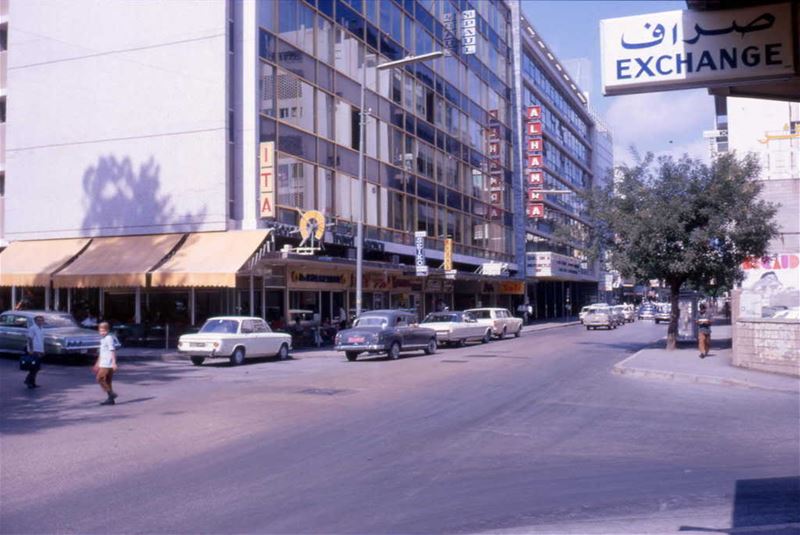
703, 330
106, 363
35, 347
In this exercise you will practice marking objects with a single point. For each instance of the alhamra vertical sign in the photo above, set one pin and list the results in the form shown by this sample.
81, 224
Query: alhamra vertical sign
266, 179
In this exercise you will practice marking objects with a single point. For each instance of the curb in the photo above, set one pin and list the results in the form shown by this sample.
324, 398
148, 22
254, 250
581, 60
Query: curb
533, 329
621, 369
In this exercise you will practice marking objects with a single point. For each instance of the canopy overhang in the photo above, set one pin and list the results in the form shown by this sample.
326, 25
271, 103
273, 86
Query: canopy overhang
121, 261
211, 259
32, 263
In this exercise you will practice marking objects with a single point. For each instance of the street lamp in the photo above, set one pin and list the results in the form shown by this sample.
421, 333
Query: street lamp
361, 154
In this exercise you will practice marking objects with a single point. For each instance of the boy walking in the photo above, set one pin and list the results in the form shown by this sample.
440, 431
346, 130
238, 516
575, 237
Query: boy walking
35, 337
106, 363
703, 331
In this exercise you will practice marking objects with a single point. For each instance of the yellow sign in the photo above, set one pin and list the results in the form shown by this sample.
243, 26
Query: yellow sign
511, 288
312, 224
448, 254
266, 178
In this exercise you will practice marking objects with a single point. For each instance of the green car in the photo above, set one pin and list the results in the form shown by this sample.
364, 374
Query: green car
62, 336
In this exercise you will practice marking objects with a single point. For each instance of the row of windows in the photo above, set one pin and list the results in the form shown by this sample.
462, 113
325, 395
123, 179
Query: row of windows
559, 162
532, 71
303, 185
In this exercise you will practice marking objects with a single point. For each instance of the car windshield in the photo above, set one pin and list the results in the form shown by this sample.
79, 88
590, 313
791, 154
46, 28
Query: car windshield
371, 321
54, 321
441, 318
220, 326
481, 314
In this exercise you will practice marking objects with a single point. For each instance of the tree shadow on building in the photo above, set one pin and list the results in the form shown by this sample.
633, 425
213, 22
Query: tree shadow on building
121, 199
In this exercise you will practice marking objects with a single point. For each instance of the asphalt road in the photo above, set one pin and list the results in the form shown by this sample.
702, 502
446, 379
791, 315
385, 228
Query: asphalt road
529, 435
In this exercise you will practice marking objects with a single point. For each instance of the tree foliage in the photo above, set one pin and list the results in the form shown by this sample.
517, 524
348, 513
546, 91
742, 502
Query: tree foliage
682, 221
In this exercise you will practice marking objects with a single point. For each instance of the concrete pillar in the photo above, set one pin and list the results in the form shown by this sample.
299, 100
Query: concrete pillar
192, 304
69, 300
56, 299
13, 297
137, 305
101, 303
252, 295
47, 297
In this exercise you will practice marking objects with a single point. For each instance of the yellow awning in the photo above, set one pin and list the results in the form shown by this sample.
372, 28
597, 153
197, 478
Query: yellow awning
31, 263
209, 259
122, 261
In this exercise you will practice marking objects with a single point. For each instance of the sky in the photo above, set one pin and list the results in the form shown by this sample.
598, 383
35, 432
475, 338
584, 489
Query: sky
667, 122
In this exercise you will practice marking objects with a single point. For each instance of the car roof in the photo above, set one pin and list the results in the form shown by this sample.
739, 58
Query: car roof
32, 313
485, 308
385, 312
234, 318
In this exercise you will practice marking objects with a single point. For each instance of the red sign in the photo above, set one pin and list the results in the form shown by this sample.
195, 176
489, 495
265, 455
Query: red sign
536, 210
496, 183
534, 160
494, 132
534, 112
534, 129
535, 144
535, 178
494, 148
534, 195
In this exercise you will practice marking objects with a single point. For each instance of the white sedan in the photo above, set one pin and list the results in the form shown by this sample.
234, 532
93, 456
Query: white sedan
236, 338
457, 328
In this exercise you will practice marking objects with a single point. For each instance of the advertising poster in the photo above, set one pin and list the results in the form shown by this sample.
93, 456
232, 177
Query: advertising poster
771, 287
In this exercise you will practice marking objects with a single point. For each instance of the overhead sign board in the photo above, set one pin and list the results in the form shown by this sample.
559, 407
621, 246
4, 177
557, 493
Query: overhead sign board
684, 49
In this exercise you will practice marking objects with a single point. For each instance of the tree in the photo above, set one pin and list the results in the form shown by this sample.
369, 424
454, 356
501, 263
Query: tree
682, 221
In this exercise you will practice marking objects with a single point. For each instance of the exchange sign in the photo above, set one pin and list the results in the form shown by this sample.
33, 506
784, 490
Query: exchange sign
683, 49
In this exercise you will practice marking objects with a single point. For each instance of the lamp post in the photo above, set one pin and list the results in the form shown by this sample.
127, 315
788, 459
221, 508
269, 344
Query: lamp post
361, 154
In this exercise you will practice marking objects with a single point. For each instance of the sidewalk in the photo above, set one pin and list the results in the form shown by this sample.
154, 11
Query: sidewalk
685, 365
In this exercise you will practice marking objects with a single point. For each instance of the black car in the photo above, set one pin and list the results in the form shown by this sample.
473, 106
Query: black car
385, 331
62, 336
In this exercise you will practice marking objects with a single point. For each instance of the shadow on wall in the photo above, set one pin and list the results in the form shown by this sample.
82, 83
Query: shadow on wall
117, 196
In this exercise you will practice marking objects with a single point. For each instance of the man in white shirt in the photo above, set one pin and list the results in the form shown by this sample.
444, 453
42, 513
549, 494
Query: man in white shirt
106, 363
35, 337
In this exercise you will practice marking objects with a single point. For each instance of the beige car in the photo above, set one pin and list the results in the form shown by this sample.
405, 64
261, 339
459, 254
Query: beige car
234, 338
502, 322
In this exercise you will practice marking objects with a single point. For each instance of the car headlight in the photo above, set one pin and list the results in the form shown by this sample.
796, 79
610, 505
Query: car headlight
338, 338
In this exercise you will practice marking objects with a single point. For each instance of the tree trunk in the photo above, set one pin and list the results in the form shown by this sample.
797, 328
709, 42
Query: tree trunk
672, 331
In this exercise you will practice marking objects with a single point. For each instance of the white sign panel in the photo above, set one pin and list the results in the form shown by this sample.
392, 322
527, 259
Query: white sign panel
419, 242
468, 35
683, 49
771, 286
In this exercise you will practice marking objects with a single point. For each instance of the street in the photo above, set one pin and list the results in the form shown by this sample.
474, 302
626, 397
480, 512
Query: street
523, 435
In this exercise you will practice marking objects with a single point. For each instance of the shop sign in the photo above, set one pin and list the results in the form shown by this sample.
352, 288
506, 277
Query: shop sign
266, 180
534, 113
450, 274
547, 264
684, 49
511, 288
408, 284
469, 36
535, 144
448, 254
328, 280
535, 178
534, 129
535, 195
449, 26
434, 285
377, 281
535, 210
419, 243
494, 269
534, 160
771, 284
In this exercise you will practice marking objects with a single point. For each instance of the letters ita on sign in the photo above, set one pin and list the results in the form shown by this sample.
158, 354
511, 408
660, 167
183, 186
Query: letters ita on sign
681, 49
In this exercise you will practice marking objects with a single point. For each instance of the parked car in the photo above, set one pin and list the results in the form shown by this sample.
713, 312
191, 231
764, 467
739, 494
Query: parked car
587, 308
647, 311
629, 313
600, 317
618, 313
62, 334
308, 318
663, 313
235, 338
500, 320
385, 331
457, 328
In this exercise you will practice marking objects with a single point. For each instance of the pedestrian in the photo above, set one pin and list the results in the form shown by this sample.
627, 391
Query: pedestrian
703, 330
35, 346
106, 363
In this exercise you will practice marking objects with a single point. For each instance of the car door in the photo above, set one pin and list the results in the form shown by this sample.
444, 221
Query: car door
6, 327
247, 337
421, 335
268, 344
404, 331
472, 326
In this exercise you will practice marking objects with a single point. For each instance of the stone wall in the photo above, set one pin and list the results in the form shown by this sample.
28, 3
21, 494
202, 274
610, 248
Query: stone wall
771, 345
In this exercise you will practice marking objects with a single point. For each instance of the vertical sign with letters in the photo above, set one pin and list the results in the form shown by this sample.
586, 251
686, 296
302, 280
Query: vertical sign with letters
469, 36
448, 254
266, 178
419, 245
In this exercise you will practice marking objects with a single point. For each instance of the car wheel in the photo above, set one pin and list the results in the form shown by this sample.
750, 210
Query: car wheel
430, 349
283, 352
237, 358
351, 355
487, 337
394, 351
503, 334
588, 328
461, 343
518, 333
198, 361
